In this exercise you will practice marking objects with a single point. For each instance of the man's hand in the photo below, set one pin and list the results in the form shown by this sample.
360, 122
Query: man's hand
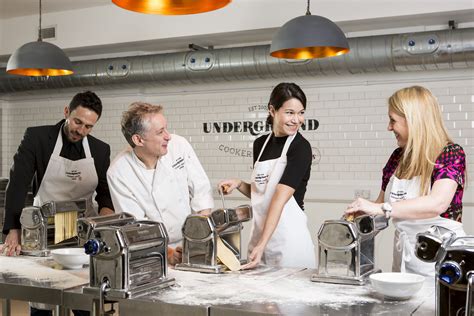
175, 255
206, 212
106, 211
12, 246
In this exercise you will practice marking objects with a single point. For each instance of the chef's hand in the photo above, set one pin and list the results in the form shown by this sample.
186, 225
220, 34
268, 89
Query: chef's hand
12, 246
254, 259
175, 255
362, 206
206, 212
106, 211
227, 186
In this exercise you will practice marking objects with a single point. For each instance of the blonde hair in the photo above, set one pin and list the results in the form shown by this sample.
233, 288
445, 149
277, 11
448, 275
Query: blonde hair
427, 134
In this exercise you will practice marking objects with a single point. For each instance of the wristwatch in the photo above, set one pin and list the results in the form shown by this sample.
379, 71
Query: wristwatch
387, 209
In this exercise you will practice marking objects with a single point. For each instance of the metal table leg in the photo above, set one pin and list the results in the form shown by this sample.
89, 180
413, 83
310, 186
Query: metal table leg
6, 307
59, 311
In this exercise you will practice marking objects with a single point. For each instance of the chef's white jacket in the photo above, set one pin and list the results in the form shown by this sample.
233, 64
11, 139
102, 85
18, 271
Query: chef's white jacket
168, 194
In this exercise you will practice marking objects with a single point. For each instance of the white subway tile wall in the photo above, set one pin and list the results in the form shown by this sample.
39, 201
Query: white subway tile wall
352, 138
350, 146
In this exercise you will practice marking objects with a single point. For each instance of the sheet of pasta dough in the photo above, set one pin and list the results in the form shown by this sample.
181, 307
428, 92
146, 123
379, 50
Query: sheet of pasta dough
226, 256
65, 226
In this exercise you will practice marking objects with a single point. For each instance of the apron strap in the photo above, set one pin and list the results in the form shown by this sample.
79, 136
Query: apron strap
287, 145
404, 248
59, 145
263, 147
87, 149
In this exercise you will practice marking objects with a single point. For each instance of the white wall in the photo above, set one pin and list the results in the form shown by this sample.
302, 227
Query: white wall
352, 138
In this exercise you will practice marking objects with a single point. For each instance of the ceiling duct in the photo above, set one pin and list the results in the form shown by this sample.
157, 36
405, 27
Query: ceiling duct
444, 49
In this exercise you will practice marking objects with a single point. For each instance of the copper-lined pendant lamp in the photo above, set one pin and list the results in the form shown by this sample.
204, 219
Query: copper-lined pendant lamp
309, 36
171, 7
39, 58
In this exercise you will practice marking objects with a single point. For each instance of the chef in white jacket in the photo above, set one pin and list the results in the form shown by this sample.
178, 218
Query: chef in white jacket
160, 178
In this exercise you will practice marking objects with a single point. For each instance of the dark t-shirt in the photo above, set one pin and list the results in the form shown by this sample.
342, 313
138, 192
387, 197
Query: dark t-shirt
298, 168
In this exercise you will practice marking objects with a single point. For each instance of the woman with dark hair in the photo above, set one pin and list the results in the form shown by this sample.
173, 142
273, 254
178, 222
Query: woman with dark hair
282, 165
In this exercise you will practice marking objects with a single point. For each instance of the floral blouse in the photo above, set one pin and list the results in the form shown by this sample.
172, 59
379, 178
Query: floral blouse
451, 164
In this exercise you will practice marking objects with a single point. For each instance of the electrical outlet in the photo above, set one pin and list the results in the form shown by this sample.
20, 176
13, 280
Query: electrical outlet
360, 193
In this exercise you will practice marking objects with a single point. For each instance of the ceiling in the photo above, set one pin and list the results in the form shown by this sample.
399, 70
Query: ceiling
15, 8
350, 21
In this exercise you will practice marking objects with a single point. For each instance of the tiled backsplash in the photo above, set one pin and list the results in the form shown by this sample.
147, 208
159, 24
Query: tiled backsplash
350, 145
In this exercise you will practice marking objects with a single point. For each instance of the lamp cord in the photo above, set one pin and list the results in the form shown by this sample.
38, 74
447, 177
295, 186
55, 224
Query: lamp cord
40, 38
307, 9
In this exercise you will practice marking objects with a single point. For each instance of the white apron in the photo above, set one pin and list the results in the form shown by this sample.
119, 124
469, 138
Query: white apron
291, 244
66, 180
404, 258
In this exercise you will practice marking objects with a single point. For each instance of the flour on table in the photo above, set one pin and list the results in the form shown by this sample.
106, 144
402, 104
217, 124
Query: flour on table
277, 286
39, 271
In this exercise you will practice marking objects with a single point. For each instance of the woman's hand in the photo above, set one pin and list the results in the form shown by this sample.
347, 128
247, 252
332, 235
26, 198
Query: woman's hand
12, 246
254, 258
364, 206
227, 186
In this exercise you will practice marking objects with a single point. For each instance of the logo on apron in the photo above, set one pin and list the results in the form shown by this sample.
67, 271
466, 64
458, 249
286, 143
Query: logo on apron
261, 179
74, 175
398, 195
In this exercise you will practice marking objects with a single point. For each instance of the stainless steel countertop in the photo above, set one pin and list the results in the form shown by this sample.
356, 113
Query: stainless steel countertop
274, 291
338, 300
37, 279
264, 291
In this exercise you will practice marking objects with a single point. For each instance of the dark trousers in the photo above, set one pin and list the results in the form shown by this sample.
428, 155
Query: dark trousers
45, 312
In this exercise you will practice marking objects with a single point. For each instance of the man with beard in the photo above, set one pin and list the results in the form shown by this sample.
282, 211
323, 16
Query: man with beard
64, 162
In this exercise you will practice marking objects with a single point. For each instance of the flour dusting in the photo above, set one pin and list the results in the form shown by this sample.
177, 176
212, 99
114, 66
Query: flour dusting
275, 285
38, 271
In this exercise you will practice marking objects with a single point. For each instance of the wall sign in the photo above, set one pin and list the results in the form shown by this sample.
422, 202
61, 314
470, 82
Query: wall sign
254, 128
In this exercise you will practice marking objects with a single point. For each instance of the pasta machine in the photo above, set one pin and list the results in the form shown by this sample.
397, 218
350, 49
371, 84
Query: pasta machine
38, 228
201, 234
86, 225
454, 258
346, 249
128, 260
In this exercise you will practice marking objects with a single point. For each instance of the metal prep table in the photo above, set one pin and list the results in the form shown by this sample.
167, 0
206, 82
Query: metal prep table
263, 291
35, 279
75, 299
274, 291
297, 295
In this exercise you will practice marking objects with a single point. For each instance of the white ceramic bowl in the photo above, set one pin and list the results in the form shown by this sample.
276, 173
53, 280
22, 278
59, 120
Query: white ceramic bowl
70, 258
397, 285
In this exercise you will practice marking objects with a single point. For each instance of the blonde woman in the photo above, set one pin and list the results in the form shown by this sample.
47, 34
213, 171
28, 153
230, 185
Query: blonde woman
423, 181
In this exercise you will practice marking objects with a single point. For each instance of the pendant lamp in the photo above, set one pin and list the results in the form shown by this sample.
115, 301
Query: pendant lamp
171, 7
309, 36
39, 58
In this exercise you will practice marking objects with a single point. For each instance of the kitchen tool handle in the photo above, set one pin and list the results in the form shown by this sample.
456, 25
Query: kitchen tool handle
103, 287
221, 193
470, 284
